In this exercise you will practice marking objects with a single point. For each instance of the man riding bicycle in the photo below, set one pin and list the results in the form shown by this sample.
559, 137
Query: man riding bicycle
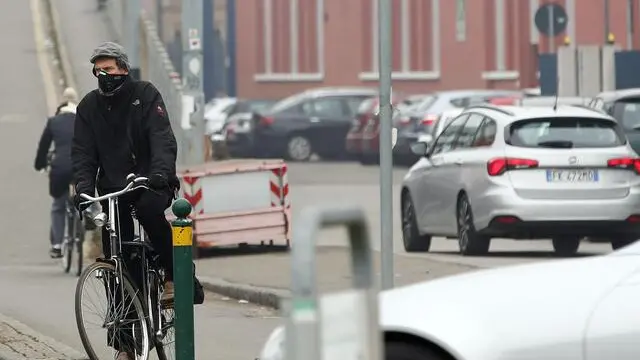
59, 130
123, 127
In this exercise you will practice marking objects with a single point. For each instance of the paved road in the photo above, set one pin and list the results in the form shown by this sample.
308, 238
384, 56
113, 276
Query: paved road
351, 183
34, 290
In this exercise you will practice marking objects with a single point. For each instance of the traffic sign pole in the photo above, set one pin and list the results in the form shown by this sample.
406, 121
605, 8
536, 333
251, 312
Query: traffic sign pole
552, 33
386, 156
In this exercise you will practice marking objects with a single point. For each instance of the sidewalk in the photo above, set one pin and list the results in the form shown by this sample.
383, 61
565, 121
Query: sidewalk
19, 342
262, 278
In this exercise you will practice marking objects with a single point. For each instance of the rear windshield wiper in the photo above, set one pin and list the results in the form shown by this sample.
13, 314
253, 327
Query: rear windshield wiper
561, 144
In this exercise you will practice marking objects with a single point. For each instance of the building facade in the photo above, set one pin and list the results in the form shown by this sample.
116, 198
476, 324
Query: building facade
285, 46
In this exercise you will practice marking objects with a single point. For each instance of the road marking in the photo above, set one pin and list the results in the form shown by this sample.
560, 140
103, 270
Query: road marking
42, 54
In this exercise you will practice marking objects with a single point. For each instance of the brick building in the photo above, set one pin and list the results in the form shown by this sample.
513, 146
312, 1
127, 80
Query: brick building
285, 46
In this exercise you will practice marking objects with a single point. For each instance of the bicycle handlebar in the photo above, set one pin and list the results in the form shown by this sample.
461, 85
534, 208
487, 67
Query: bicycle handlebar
134, 183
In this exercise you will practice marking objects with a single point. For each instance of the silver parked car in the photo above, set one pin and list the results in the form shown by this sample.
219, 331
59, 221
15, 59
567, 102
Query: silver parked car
523, 173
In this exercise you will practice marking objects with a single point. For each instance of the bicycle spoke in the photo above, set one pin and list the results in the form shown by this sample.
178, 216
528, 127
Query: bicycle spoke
109, 314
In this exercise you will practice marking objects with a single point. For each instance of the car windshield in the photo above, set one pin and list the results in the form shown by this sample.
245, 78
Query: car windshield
286, 103
565, 132
426, 103
261, 106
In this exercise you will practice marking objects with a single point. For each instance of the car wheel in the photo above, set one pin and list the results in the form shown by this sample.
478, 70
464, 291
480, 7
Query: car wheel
620, 243
368, 159
299, 148
566, 245
411, 238
409, 351
469, 240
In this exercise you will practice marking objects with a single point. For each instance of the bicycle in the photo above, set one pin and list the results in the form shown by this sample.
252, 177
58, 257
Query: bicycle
145, 321
73, 237
74, 230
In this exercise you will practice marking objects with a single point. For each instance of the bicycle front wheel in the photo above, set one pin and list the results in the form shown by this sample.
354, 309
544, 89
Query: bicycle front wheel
109, 314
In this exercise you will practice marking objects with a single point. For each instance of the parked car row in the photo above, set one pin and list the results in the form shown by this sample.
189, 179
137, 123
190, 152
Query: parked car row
335, 123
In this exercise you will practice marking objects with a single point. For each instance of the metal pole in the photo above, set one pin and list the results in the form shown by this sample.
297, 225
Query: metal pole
552, 36
386, 162
132, 38
182, 229
607, 26
208, 53
160, 19
630, 26
192, 76
231, 48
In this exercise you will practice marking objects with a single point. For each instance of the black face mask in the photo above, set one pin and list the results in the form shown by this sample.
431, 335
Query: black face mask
109, 84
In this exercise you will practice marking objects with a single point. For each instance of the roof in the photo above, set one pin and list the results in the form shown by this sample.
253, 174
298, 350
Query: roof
514, 113
467, 92
324, 91
618, 94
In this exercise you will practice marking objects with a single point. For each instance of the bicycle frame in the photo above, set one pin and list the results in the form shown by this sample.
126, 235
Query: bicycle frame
116, 243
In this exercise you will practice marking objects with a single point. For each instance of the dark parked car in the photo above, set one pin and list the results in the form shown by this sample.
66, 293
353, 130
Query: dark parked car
314, 121
624, 106
237, 115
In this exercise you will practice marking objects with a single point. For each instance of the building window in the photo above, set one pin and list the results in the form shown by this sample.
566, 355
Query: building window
290, 36
503, 30
461, 20
416, 42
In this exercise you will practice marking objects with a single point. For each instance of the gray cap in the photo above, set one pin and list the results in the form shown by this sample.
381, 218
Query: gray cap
111, 50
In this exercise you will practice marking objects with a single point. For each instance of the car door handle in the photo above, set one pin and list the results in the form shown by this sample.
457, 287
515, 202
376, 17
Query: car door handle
314, 119
458, 162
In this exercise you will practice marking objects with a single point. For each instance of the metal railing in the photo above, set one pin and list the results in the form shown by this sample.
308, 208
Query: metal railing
155, 67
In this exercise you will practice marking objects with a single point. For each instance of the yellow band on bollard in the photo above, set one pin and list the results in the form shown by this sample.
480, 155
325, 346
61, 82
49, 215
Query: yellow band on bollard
182, 236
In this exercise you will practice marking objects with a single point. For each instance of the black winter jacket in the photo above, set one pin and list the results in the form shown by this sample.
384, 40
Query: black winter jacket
59, 130
117, 135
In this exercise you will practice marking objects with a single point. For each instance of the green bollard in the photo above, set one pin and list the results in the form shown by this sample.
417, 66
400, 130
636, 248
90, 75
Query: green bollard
182, 229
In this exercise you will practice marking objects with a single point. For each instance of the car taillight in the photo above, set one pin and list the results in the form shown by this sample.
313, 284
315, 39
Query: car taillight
429, 119
404, 120
499, 166
625, 163
634, 219
265, 121
362, 119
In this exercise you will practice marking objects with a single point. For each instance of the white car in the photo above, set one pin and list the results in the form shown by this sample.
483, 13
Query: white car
216, 113
574, 309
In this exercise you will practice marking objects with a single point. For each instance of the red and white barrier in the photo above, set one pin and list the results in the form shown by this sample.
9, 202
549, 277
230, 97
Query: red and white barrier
238, 202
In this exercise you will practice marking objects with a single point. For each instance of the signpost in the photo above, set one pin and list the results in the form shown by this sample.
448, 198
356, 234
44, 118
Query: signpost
551, 20
386, 155
192, 79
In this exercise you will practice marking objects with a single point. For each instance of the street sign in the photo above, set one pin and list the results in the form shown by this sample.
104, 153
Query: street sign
551, 19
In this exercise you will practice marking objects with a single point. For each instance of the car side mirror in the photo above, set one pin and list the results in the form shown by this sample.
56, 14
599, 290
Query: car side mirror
421, 146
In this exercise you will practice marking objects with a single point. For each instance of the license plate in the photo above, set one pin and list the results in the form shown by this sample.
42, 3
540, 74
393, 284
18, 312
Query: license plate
572, 176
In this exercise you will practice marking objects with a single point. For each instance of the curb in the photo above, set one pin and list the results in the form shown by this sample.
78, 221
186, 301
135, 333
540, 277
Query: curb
48, 344
60, 47
258, 295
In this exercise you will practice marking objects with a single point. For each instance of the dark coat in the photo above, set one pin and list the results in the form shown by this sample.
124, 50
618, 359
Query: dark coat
59, 131
117, 135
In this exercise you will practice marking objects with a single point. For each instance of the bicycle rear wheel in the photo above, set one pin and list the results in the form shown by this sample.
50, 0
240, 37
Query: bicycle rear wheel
79, 241
121, 321
67, 243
